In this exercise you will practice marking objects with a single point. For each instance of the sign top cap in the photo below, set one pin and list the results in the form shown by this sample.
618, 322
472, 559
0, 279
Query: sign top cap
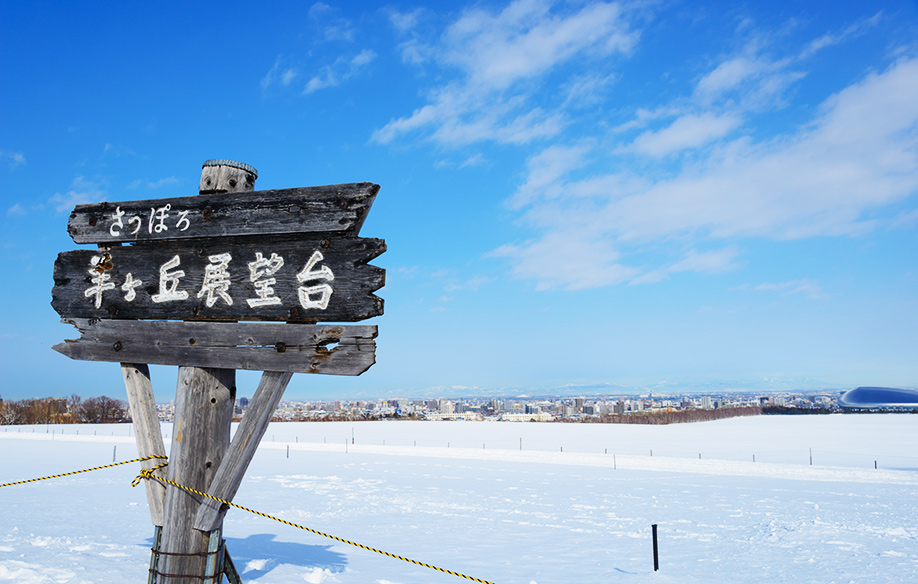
233, 163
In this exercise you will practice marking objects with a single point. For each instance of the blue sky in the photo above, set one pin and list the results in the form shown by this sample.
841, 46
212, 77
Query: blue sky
646, 194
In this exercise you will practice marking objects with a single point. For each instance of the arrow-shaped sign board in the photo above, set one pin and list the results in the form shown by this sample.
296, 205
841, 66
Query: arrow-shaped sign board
288, 255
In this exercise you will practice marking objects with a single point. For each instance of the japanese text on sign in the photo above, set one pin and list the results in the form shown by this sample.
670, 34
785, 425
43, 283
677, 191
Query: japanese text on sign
217, 281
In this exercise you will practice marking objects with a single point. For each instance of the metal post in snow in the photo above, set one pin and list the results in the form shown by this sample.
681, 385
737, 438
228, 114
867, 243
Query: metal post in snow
656, 554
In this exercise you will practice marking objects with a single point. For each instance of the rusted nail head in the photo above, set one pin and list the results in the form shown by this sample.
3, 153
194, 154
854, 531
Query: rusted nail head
280, 348
117, 346
93, 220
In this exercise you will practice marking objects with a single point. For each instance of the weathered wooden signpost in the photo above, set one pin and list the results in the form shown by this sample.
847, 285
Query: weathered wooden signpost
198, 271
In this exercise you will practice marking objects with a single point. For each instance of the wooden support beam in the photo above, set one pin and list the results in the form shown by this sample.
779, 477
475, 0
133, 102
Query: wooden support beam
299, 348
203, 413
147, 432
213, 573
248, 435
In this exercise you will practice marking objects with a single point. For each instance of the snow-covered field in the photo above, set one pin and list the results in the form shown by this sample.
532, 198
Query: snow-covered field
508, 503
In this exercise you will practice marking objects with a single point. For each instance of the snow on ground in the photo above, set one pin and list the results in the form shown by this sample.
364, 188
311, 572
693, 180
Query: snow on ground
509, 503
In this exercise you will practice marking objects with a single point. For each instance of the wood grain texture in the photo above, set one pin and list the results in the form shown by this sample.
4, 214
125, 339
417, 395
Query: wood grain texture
135, 282
337, 210
222, 178
301, 348
245, 442
147, 432
201, 434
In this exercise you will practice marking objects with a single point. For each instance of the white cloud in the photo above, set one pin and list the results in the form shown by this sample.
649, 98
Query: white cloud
726, 76
318, 10
405, 22
288, 76
567, 260
16, 210
688, 131
830, 39
804, 286
151, 184
473, 160
859, 154
905, 220
342, 70
14, 158
81, 191
335, 28
498, 56
271, 75
526, 40
712, 262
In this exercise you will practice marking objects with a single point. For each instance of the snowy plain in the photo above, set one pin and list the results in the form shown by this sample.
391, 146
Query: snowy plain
510, 503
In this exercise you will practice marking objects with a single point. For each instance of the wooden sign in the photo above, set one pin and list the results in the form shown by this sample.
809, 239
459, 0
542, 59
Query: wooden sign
326, 349
307, 280
215, 262
333, 210
197, 273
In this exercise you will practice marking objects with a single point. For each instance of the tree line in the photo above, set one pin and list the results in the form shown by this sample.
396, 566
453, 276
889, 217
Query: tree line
60, 410
667, 417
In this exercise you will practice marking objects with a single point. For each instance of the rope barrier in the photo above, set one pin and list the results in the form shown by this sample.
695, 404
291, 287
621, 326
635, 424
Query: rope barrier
66, 474
148, 474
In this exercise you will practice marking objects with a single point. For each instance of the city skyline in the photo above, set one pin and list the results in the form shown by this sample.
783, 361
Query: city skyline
619, 194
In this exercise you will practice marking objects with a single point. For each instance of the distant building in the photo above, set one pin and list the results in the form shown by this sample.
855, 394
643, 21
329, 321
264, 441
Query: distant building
879, 397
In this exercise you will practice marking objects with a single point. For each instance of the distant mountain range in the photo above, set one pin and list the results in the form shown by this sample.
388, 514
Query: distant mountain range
717, 386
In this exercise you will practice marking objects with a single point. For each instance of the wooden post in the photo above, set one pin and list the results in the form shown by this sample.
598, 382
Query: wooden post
248, 435
147, 434
319, 271
204, 401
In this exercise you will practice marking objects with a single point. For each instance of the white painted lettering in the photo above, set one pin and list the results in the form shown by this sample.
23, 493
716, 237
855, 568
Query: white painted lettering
128, 287
116, 222
100, 279
263, 287
169, 281
307, 274
216, 280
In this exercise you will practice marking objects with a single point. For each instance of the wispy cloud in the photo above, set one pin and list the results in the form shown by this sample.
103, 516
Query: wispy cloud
686, 132
279, 74
16, 210
498, 55
860, 153
153, 184
14, 159
81, 191
339, 72
804, 286
834, 38
333, 27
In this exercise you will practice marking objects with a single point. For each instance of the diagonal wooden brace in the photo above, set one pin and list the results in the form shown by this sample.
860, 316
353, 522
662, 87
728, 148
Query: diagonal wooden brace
251, 429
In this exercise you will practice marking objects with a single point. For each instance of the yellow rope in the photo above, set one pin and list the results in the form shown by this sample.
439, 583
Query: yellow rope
66, 474
148, 474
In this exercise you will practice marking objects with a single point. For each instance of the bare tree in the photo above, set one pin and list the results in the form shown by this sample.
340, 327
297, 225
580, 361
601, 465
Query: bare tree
102, 410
